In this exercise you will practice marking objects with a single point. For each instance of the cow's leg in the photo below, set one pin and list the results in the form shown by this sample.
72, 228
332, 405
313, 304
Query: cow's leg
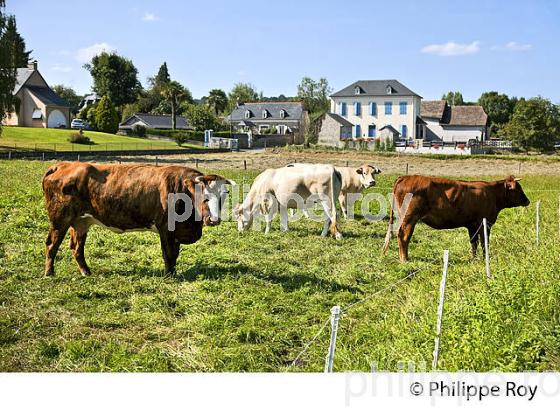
414, 213
330, 221
473, 238
283, 217
78, 236
170, 249
54, 239
343, 205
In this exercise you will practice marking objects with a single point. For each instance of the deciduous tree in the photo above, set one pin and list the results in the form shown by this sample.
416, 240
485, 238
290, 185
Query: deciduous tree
69, 95
106, 116
314, 94
242, 93
201, 117
498, 107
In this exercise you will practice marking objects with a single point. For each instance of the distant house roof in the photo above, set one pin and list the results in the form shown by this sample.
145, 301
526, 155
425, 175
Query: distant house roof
340, 120
47, 96
154, 121
389, 127
473, 115
22, 75
466, 115
375, 88
292, 111
433, 109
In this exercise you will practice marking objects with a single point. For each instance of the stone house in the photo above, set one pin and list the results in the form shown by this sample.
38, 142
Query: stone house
459, 123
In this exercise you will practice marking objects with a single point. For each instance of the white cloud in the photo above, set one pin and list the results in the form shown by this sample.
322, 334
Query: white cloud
61, 68
85, 54
514, 46
150, 17
452, 49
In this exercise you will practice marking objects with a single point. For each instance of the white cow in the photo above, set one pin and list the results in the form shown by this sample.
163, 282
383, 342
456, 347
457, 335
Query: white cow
354, 180
294, 188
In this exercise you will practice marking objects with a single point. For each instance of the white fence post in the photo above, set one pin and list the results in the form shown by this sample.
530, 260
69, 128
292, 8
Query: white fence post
486, 246
440, 308
335, 316
538, 221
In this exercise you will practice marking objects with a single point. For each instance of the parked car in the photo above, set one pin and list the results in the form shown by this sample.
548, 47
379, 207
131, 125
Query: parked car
78, 124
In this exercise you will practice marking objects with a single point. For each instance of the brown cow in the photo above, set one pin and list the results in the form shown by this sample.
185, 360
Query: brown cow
128, 198
447, 204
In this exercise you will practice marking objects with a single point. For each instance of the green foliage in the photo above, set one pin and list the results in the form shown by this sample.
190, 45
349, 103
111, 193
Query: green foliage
162, 77
7, 67
106, 116
201, 118
535, 123
314, 94
139, 131
115, 77
242, 93
252, 302
69, 95
453, 98
79, 138
19, 56
90, 113
174, 94
217, 100
498, 107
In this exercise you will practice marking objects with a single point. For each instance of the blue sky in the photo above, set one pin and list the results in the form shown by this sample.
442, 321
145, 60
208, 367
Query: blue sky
430, 46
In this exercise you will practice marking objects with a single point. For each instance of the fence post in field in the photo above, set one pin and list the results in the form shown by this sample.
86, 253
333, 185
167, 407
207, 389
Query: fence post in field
245, 164
538, 222
9, 154
406, 169
78, 157
335, 316
346, 163
440, 308
196, 163
43, 156
156, 161
486, 250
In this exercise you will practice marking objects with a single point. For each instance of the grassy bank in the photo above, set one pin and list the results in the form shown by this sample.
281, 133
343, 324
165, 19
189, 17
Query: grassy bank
50, 139
251, 302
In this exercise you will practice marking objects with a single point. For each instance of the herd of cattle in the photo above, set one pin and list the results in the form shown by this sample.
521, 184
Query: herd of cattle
127, 198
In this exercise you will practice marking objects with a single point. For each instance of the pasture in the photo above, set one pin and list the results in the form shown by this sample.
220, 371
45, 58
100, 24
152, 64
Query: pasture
250, 302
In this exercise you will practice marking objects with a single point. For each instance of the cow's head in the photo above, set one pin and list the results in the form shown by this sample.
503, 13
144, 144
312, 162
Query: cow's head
243, 216
367, 175
210, 194
514, 193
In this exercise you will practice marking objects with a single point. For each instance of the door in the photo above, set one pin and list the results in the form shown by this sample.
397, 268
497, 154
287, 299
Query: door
56, 120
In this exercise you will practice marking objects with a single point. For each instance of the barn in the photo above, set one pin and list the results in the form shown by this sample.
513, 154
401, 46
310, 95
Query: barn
37, 105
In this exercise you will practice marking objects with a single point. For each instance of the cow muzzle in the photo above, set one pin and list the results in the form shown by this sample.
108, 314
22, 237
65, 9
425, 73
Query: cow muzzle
208, 221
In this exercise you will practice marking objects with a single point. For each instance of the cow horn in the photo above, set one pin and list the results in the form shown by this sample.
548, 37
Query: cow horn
199, 179
517, 179
231, 182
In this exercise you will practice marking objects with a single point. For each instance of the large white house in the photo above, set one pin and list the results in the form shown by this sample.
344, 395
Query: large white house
378, 108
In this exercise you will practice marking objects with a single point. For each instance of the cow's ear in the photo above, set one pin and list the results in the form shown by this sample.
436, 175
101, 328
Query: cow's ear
360, 171
510, 183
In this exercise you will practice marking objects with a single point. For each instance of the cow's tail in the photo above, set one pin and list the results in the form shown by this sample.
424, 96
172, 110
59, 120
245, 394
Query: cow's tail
390, 227
334, 220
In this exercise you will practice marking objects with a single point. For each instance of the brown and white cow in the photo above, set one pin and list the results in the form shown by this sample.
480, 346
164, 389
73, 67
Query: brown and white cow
447, 204
128, 198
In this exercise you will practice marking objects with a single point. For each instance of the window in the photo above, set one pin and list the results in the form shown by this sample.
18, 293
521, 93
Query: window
247, 114
404, 131
372, 109
402, 108
388, 108
264, 113
263, 127
357, 131
371, 131
343, 109
357, 90
281, 129
37, 114
282, 114
389, 89
357, 108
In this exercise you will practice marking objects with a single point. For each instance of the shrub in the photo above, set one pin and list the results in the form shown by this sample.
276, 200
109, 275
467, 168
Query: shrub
106, 116
139, 131
79, 138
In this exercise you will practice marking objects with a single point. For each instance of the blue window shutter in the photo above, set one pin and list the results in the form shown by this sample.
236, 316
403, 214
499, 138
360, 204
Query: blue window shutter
373, 108
402, 108
388, 108
404, 130
358, 131
343, 109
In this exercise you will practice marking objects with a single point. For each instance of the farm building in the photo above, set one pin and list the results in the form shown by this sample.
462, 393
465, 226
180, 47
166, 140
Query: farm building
37, 105
160, 122
459, 123
284, 119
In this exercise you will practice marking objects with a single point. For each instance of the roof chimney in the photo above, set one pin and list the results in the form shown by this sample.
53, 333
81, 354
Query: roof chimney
32, 65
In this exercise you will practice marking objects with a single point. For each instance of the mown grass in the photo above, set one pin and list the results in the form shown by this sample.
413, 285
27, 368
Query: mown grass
250, 302
51, 139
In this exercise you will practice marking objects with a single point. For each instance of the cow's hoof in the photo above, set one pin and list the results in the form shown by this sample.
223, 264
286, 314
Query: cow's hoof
86, 273
49, 273
338, 236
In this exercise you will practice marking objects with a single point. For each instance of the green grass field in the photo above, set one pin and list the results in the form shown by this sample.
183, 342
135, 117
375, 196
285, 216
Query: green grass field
51, 139
250, 302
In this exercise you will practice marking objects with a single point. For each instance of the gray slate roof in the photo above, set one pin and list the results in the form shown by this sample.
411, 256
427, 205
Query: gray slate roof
157, 121
294, 111
47, 96
22, 75
340, 120
376, 88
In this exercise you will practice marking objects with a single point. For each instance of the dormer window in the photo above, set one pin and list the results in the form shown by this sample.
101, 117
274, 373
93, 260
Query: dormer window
389, 89
282, 114
247, 114
357, 90
264, 114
